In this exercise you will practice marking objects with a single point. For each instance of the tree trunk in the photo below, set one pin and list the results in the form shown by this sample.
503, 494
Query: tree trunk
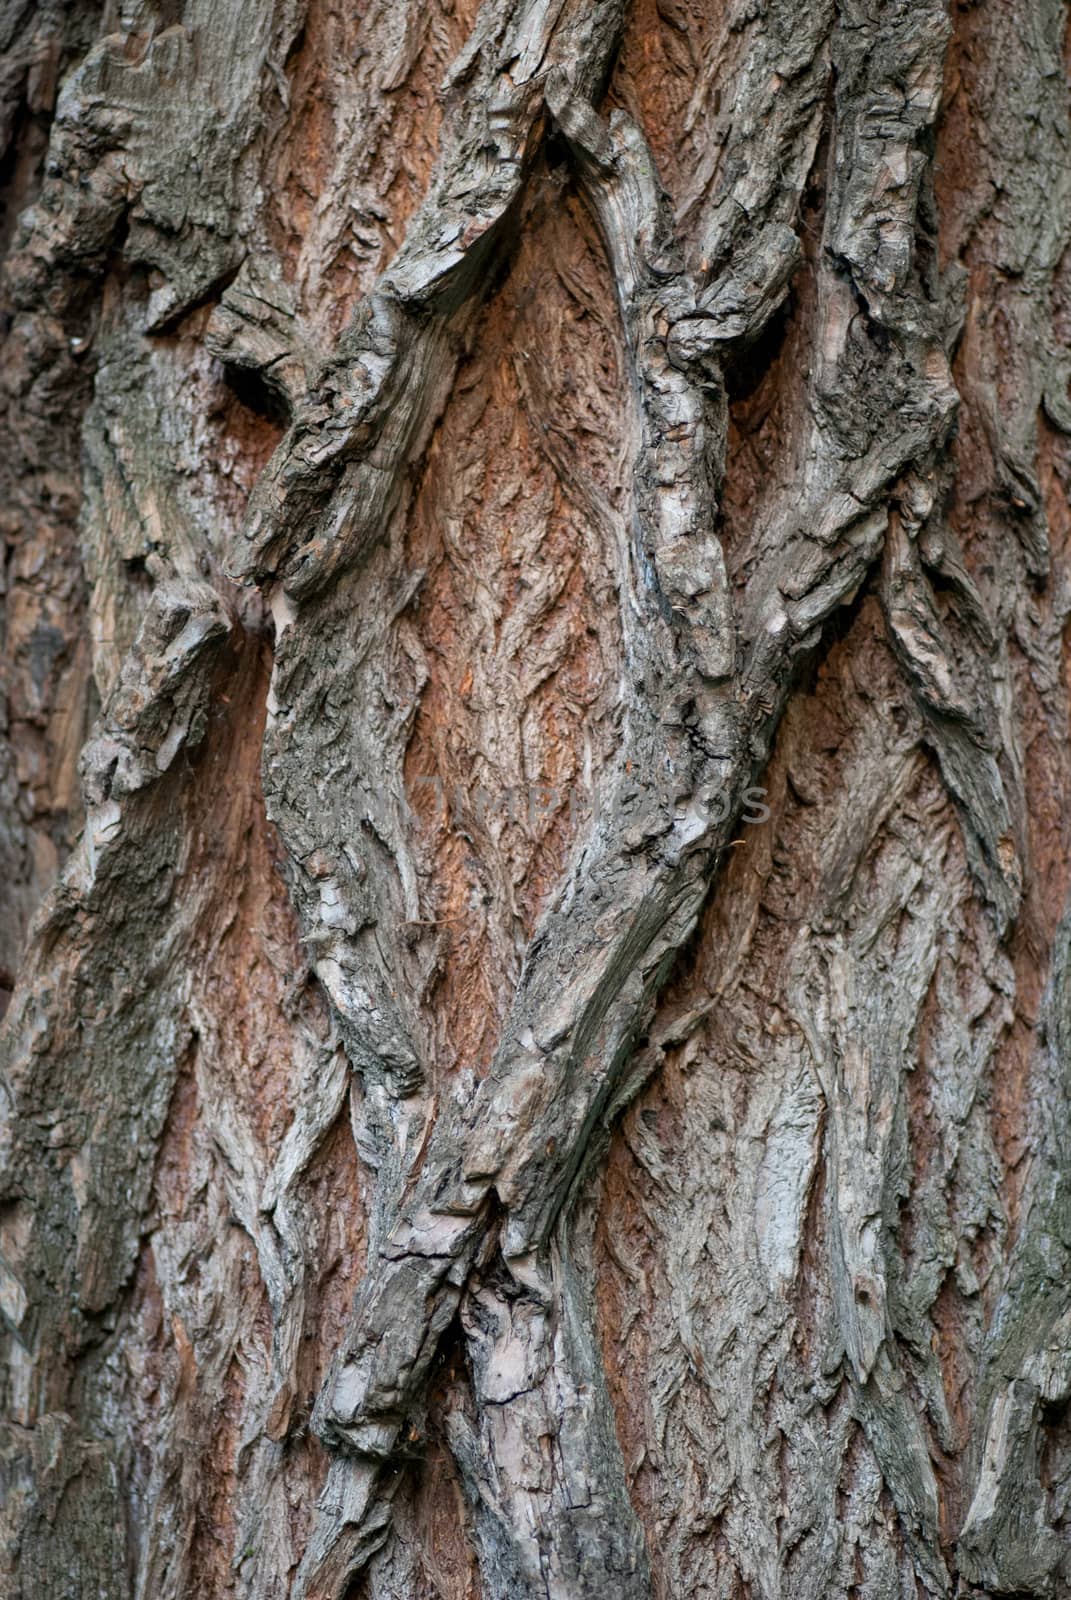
538, 1054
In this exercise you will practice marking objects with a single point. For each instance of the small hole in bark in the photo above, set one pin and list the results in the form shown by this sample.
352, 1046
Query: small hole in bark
251, 391
835, 630
137, 573
1055, 1413
559, 161
296, 47
749, 366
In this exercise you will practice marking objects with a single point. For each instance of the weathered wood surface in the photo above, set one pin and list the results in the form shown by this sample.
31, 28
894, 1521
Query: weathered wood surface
452, 455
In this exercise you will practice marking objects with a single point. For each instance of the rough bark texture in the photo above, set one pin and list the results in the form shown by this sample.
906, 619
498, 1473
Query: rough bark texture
453, 1140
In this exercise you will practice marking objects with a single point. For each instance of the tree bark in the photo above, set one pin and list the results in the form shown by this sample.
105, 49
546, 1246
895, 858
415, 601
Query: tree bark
537, 1055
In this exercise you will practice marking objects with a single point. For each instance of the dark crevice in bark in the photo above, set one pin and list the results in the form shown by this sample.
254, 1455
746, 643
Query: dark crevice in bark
254, 391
